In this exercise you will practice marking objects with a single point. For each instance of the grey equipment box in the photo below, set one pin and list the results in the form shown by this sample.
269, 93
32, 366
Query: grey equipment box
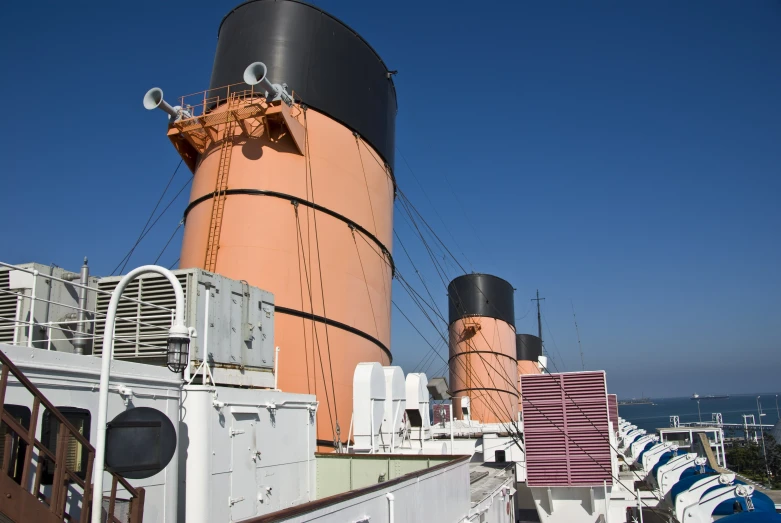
237, 338
55, 310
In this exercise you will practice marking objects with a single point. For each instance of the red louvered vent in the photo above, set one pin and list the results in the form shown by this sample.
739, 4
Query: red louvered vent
565, 425
612, 407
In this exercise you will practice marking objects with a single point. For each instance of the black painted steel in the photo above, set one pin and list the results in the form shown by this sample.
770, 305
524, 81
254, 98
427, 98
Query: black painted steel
514, 393
481, 295
528, 346
140, 442
327, 65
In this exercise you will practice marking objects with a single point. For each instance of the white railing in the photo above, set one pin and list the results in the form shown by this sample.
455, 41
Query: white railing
66, 331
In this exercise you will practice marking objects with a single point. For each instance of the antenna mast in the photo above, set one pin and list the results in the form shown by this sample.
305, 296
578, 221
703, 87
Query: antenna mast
539, 319
582, 363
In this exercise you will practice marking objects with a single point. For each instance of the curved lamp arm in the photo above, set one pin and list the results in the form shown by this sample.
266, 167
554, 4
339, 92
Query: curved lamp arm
178, 330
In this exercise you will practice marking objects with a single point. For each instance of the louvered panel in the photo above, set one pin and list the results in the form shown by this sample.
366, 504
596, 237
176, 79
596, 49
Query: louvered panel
7, 309
141, 329
566, 429
612, 407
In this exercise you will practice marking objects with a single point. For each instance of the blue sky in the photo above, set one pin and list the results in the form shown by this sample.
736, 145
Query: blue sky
623, 157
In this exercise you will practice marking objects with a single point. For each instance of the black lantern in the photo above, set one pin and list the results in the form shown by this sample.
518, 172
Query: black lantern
178, 353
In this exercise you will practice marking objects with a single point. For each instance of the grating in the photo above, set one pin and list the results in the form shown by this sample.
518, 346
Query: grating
7, 308
560, 413
141, 329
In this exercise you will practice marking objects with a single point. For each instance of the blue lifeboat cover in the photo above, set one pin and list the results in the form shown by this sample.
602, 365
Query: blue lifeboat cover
752, 517
645, 448
667, 456
695, 471
685, 484
762, 504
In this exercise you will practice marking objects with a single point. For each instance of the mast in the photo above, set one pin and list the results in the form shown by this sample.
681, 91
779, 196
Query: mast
539, 319
577, 331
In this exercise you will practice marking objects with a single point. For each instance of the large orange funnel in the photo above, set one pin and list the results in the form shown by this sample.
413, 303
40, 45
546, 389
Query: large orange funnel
297, 198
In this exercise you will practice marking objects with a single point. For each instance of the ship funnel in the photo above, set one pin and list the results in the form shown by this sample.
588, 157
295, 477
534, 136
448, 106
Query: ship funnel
255, 74
153, 99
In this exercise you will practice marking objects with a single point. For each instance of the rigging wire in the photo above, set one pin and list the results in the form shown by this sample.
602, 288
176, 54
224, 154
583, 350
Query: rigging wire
311, 308
558, 352
434, 208
168, 242
366, 282
320, 271
553, 339
406, 205
126, 258
151, 215
371, 208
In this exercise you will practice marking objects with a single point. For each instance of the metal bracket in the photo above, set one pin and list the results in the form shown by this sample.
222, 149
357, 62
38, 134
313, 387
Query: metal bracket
233, 501
234, 432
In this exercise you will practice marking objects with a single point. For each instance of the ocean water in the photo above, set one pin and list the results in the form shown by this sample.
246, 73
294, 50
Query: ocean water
652, 417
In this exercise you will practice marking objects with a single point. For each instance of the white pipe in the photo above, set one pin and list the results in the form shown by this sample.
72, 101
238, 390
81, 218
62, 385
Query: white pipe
639, 506
308, 463
276, 369
18, 319
105, 372
371, 411
391, 499
32, 314
350, 432
204, 351
607, 508
452, 437
393, 426
199, 453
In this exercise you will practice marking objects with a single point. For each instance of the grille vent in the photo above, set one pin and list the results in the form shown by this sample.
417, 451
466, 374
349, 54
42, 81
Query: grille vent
612, 403
141, 330
565, 423
7, 309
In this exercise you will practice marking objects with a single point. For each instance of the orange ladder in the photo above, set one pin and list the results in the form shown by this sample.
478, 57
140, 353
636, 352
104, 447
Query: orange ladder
221, 186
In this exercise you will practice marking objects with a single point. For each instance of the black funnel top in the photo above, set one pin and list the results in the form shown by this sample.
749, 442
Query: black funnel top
327, 65
528, 347
481, 295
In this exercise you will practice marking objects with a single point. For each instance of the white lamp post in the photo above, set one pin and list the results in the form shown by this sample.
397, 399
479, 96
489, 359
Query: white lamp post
177, 354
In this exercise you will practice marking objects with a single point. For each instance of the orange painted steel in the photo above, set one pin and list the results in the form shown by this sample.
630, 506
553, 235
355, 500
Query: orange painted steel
525, 367
294, 221
483, 367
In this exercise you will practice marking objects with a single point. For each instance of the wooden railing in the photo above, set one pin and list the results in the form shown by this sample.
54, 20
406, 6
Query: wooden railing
30, 499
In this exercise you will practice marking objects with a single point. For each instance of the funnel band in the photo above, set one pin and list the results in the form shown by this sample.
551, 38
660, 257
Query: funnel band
291, 198
337, 324
466, 353
454, 392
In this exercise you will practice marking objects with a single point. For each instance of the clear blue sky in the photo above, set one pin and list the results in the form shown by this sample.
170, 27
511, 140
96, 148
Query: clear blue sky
622, 156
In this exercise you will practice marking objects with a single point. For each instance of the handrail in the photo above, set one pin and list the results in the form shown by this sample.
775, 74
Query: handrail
56, 503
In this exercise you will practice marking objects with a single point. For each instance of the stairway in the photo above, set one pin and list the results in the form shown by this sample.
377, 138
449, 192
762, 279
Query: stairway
22, 498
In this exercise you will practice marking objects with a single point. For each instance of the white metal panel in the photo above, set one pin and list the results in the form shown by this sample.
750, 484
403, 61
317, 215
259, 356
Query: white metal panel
244, 461
395, 401
368, 405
